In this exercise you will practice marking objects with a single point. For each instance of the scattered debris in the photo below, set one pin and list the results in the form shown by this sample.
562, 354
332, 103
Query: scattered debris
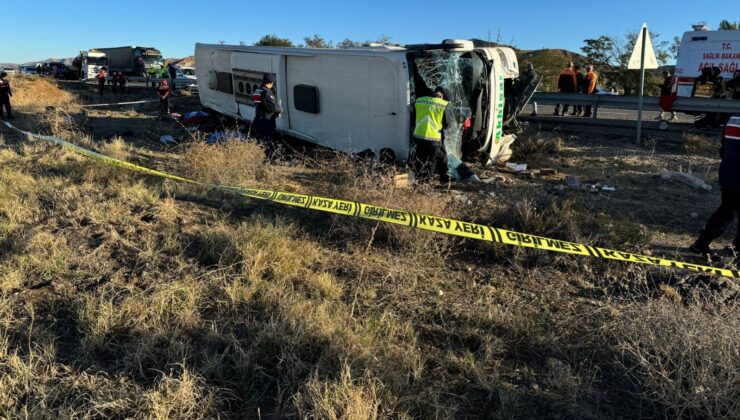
167, 139
687, 179
465, 174
548, 171
517, 167
224, 136
601, 187
529, 174
557, 190
193, 117
572, 181
404, 180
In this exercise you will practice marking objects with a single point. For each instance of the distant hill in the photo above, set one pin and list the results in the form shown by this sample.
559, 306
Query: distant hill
547, 62
184, 62
67, 61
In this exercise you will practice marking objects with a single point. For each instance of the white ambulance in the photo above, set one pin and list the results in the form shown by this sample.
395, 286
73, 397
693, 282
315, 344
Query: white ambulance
704, 48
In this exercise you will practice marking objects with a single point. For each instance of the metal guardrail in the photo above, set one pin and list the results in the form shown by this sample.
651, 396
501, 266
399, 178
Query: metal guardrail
159, 80
650, 103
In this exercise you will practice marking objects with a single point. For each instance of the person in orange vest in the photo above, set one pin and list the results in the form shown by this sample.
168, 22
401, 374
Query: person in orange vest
567, 83
164, 98
590, 85
102, 74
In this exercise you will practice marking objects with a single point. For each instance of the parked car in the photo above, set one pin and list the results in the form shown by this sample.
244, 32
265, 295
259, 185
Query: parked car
603, 91
28, 70
9, 70
184, 79
188, 72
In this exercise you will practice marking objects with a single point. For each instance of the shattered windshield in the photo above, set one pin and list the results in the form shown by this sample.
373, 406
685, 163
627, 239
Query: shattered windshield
153, 61
462, 75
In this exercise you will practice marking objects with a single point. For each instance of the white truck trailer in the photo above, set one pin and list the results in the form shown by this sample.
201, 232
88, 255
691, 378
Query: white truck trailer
89, 63
361, 99
133, 60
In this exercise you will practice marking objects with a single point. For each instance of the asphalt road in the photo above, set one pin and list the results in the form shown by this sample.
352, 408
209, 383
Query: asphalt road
611, 114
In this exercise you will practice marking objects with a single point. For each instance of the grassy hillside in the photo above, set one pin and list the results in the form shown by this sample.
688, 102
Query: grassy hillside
185, 62
133, 297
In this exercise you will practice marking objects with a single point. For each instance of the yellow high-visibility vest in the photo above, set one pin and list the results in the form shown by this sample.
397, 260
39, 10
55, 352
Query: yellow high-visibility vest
429, 115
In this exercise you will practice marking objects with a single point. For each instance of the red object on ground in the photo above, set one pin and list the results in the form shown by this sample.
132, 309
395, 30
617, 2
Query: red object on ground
467, 124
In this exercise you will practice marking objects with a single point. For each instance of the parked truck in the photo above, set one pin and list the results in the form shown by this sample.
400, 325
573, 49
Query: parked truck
133, 60
88, 64
361, 99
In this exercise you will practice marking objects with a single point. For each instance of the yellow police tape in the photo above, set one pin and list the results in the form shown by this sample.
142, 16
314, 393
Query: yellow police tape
402, 217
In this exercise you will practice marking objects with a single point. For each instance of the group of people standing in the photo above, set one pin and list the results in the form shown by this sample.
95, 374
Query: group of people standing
574, 80
118, 81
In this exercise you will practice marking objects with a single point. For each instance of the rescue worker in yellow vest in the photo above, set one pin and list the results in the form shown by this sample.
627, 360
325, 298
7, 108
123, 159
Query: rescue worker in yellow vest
432, 117
590, 87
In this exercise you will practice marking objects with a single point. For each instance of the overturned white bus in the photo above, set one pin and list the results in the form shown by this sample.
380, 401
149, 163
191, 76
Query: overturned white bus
360, 99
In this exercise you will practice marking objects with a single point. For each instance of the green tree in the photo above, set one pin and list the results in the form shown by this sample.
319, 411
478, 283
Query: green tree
347, 43
317, 42
382, 39
675, 45
274, 41
611, 54
726, 25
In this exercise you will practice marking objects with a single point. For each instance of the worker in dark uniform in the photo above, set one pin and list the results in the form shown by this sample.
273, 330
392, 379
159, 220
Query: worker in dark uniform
708, 85
526, 79
733, 86
121, 83
173, 74
5, 94
567, 83
432, 117
266, 112
729, 181
102, 74
164, 94
142, 67
589, 87
580, 88
114, 82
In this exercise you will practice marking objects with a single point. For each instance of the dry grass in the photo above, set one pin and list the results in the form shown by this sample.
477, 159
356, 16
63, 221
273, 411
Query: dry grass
537, 149
234, 163
125, 296
685, 359
33, 94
